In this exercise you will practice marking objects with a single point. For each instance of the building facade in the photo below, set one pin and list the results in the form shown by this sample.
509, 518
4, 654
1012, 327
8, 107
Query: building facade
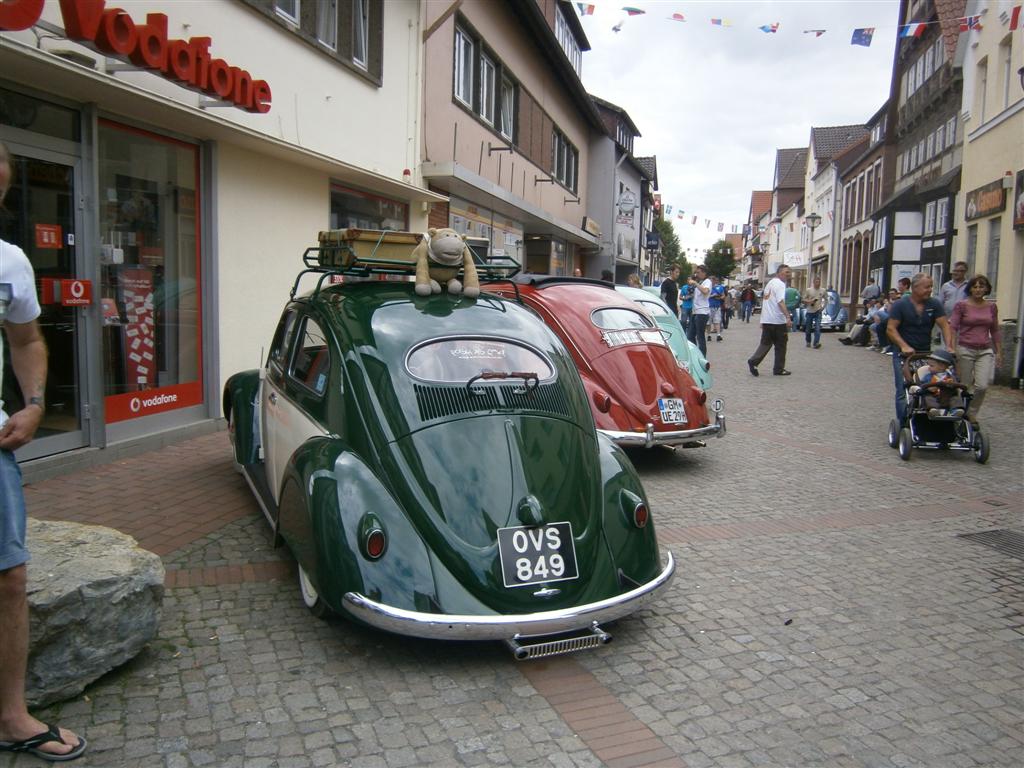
166, 156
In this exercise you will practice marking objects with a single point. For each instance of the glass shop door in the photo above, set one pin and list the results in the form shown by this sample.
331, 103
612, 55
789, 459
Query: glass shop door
41, 215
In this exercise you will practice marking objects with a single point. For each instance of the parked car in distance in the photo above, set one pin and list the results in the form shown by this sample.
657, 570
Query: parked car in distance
688, 354
413, 454
834, 316
638, 393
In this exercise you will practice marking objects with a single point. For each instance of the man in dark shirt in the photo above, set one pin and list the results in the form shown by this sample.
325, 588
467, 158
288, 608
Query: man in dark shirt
910, 330
670, 290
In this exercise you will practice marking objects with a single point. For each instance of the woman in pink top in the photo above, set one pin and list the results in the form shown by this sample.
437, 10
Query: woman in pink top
978, 343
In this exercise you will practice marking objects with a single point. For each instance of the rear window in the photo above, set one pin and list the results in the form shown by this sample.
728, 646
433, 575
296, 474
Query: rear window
655, 308
619, 319
457, 360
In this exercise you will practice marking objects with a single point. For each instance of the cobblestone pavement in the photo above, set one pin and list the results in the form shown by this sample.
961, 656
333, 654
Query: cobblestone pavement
827, 611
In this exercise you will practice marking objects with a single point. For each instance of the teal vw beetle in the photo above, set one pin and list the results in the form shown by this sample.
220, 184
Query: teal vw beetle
433, 465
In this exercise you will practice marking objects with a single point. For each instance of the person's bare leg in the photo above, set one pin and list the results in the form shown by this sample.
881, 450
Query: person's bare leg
15, 721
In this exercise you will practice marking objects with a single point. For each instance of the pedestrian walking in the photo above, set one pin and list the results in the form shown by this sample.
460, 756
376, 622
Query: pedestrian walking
813, 299
975, 322
685, 305
748, 297
19, 308
775, 322
701, 284
793, 306
670, 290
716, 301
911, 320
955, 289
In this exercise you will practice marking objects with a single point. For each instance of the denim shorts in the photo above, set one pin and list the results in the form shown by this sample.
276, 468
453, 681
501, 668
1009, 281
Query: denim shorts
12, 514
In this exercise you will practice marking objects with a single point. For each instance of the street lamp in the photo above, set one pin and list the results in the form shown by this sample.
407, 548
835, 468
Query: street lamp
812, 220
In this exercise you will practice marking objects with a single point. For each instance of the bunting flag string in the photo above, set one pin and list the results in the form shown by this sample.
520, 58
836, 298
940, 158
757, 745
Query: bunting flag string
862, 36
1015, 18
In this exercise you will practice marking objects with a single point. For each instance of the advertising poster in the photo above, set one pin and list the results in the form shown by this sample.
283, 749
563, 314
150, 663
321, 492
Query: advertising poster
135, 291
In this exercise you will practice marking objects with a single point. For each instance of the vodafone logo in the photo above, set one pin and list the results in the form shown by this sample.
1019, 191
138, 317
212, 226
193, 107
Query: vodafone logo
77, 289
137, 404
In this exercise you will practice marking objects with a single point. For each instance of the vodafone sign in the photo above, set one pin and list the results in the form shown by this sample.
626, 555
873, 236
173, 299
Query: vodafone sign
134, 405
113, 32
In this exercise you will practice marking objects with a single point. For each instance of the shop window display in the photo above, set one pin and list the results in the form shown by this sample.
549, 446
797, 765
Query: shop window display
362, 210
150, 277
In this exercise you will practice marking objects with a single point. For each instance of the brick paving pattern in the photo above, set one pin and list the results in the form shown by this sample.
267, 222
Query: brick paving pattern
825, 612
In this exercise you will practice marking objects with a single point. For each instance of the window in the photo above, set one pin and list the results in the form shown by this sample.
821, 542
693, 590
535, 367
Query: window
463, 67
940, 53
992, 270
282, 339
920, 152
151, 289
456, 361
1005, 73
488, 76
360, 32
312, 363
929, 218
929, 147
981, 90
352, 208
327, 23
911, 81
507, 106
288, 10
912, 164
566, 39
564, 161
878, 184
869, 197
941, 215
929, 55
951, 131
972, 248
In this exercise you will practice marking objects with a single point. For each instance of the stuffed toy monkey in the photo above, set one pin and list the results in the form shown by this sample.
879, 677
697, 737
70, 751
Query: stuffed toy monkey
439, 257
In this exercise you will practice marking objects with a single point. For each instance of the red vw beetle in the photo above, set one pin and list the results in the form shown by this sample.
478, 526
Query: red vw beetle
638, 393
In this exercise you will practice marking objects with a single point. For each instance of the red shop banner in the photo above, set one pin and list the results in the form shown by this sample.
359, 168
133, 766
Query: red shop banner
135, 288
135, 405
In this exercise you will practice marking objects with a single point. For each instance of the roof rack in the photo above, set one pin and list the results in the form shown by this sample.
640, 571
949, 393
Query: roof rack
367, 252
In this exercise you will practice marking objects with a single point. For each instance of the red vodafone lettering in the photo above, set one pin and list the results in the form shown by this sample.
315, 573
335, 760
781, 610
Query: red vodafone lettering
16, 15
112, 31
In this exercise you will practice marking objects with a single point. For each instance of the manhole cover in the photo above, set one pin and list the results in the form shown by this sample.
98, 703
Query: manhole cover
1006, 541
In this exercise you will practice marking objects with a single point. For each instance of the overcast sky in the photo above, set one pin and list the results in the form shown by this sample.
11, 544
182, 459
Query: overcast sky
714, 103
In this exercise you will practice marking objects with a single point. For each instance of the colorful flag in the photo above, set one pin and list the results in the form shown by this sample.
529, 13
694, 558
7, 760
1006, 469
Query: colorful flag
1014, 18
707, 223
677, 17
633, 11
617, 27
668, 210
770, 28
694, 222
680, 215
721, 226
586, 9
970, 22
913, 30
815, 32
862, 36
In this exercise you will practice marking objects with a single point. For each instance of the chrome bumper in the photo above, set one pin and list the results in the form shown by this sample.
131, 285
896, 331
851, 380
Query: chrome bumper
649, 437
440, 626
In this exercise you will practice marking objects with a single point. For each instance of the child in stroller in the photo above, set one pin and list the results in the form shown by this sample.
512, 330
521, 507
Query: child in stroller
937, 382
936, 408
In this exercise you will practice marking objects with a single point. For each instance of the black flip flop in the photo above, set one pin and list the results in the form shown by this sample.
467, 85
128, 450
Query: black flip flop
31, 746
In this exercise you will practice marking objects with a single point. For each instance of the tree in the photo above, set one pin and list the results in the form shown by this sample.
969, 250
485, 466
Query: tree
670, 251
720, 259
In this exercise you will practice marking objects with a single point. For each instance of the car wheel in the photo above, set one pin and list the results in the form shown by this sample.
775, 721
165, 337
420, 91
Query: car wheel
904, 444
980, 448
310, 596
894, 433
231, 439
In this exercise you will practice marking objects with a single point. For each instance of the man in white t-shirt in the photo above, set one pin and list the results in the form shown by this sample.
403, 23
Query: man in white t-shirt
775, 324
701, 284
19, 308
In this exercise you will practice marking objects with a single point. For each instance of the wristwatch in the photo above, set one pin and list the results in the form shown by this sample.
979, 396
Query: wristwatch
37, 401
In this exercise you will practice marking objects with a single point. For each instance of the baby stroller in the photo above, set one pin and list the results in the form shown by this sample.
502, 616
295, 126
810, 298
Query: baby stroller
936, 415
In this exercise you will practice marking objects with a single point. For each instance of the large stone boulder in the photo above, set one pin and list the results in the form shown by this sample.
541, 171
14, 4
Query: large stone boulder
94, 601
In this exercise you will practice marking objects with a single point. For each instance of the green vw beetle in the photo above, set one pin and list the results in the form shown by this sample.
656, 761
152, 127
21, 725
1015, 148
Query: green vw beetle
433, 465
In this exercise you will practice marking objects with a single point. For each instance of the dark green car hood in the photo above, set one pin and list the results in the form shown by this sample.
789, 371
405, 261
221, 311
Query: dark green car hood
463, 480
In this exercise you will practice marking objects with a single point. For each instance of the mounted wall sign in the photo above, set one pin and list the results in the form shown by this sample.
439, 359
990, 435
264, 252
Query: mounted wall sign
985, 201
111, 31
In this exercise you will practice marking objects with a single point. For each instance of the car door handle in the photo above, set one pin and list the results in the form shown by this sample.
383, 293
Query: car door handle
273, 398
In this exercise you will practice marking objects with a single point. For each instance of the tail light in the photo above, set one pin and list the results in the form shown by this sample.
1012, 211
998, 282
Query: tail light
373, 541
634, 509
640, 515
601, 401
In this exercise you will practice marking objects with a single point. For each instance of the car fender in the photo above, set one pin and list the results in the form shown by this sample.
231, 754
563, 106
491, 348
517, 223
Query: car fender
634, 551
241, 408
341, 492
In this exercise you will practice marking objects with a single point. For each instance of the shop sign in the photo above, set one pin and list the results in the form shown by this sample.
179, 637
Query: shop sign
985, 201
48, 236
134, 405
68, 292
113, 32
591, 227
653, 240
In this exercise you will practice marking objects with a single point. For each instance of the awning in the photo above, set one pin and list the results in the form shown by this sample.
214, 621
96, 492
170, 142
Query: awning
29, 66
